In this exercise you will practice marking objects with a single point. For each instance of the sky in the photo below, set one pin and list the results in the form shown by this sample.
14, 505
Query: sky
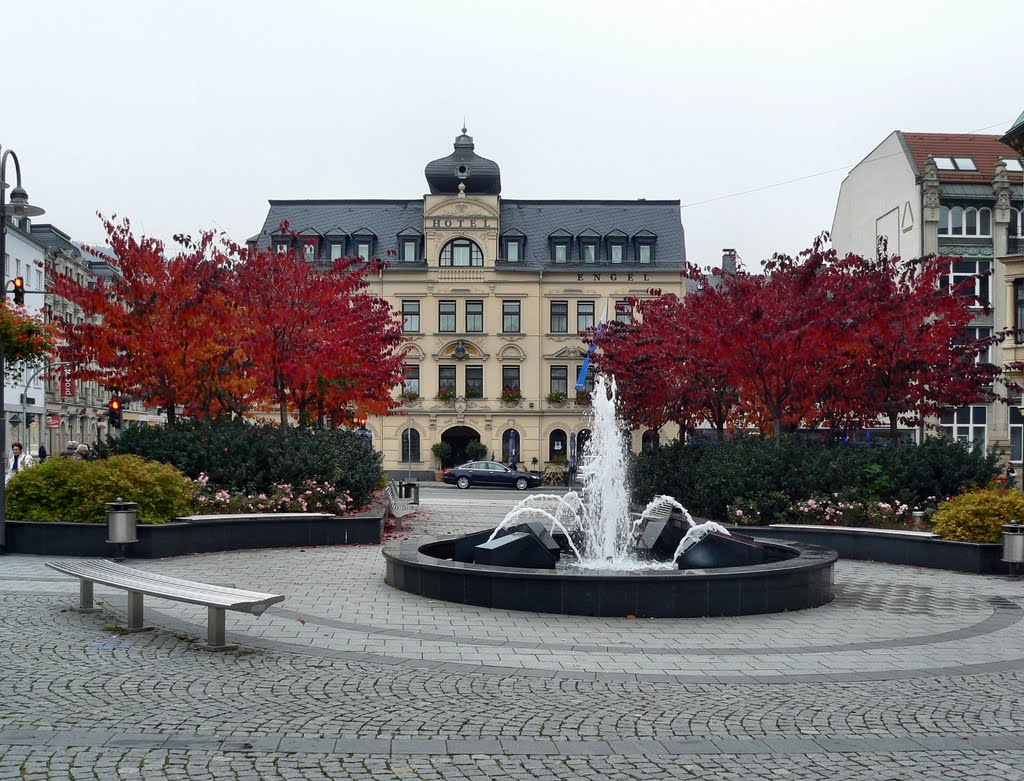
185, 115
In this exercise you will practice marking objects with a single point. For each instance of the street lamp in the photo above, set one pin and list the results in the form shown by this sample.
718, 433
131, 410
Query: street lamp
18, 206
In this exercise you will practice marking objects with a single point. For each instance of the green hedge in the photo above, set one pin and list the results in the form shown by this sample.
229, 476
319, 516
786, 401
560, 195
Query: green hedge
253, 458
978, 516
708, 478
66, 489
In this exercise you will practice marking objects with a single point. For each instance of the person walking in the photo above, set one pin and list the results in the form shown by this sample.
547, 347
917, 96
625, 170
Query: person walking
82, 452
19, 460
70, 449
42, 452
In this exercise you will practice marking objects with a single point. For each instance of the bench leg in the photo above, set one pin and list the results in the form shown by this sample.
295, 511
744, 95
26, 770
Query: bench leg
215, 634
85, 603
135, 613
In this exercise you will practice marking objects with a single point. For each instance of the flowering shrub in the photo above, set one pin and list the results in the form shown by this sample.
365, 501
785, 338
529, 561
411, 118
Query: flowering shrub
446, 394
556, 397
978, 516
834, 511
309, 497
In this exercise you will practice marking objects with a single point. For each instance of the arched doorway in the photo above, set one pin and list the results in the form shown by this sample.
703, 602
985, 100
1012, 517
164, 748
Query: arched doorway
558, 450
511, 441
459, 437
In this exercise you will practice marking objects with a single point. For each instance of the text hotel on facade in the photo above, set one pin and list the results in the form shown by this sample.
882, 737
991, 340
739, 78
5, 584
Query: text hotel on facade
493, 294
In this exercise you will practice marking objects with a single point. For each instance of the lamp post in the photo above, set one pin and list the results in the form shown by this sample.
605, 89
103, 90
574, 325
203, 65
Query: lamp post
17, 206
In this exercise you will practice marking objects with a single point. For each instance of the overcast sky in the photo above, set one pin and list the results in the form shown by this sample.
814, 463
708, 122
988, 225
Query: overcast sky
187, 115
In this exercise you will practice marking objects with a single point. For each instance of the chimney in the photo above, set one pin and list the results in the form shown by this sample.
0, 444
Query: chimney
729, 261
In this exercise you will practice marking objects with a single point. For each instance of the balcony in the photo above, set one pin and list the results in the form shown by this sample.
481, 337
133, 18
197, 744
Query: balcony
1015, 245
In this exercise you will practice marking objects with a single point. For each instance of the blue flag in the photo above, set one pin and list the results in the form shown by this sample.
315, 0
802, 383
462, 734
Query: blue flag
581, 381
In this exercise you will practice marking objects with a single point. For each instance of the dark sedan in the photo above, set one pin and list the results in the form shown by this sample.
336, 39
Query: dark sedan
490, 473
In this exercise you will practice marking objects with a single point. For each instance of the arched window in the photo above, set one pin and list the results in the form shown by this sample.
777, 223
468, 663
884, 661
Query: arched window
557, 450
582, 438
1015, 222
410, 445
943, 220
984, 222
956, 221
650, 440
511, 440
971, 222
462, 252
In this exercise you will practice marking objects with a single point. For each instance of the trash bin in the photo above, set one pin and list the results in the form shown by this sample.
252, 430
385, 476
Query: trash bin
121, 519
1013, 543
410, 489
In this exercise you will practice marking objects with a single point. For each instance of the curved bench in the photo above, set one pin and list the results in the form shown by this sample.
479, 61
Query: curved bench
138, 582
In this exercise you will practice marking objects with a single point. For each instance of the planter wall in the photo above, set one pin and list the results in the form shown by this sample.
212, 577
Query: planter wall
918, 549
198, 534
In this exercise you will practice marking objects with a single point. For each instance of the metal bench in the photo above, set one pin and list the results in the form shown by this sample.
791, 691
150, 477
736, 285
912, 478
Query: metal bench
138, 582
400, 506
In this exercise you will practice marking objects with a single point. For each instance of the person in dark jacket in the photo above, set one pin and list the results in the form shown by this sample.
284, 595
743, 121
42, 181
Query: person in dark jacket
42, 452
70, 449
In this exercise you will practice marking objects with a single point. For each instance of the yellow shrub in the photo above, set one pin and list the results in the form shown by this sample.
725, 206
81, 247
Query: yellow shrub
979, 516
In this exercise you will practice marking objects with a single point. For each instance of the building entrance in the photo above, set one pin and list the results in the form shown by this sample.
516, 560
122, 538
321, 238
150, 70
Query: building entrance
459, 437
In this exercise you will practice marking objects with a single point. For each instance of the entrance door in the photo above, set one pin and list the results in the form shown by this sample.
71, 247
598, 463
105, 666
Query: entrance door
458, 437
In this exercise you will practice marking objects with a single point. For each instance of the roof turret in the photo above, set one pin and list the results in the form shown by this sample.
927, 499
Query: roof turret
463, 166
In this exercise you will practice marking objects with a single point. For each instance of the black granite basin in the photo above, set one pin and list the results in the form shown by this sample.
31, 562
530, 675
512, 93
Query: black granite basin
795, 576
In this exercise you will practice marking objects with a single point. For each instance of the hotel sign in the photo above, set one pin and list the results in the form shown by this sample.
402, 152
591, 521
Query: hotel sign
464, 223
67, 382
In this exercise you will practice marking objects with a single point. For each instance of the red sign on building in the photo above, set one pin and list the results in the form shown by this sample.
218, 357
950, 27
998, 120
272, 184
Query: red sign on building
67, 382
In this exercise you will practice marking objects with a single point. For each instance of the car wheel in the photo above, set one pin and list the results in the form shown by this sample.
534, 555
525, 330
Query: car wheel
521, 483
463, 482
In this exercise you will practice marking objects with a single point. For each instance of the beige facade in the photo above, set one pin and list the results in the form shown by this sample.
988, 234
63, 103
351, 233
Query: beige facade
543, 424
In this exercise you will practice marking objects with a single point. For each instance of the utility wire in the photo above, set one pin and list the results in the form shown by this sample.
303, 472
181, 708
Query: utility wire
820, 173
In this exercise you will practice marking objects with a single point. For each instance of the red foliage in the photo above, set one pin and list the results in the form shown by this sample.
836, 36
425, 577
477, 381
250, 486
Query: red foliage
812, 341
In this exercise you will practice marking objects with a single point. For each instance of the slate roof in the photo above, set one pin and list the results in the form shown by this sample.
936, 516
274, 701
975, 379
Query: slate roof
975, 191
537, 220
984, 150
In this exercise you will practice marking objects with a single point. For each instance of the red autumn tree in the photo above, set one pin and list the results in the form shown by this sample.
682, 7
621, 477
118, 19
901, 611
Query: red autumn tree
158, 330
914, 357
677, 342
320, 344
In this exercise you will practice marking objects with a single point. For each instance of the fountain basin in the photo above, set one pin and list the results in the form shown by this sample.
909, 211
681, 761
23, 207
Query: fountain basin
802, 578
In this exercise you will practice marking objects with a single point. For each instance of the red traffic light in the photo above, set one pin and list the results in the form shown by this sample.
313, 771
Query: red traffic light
115, 404
19, 290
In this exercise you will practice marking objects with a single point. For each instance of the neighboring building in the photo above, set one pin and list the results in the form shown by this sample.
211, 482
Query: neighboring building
493, 294
930, 193
23, 394
75, 410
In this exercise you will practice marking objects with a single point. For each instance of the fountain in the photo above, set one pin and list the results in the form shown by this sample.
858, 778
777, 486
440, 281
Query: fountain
657, 562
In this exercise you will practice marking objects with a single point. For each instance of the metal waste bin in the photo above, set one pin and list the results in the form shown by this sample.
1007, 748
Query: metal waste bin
121, 519
1013, 543
409, 489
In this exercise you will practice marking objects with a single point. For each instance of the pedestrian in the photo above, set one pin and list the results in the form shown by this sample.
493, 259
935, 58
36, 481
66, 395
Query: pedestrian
512, 463
82, 452
70, 449
1011, 477
42, 452
19, 460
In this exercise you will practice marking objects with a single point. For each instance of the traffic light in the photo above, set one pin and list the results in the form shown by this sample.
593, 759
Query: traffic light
114, 413
19, 291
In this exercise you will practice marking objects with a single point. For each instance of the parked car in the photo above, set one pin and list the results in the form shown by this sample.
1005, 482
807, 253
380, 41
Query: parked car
490, 473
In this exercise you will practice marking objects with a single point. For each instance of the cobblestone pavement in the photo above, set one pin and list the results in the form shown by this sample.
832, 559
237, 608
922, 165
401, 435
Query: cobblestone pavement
909, 674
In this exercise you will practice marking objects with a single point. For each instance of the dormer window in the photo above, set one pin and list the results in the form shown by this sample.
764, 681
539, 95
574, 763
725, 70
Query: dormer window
1013, 164
615, 243
309, 249
462, 252
512, 245
589, 242
364, 240
410, 245
560, 241
336, 239
644, 243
